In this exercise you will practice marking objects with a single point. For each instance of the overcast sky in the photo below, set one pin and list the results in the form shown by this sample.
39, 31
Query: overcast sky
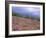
26, 11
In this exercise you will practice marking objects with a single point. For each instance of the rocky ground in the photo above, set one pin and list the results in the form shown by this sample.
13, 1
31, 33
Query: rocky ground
19, 24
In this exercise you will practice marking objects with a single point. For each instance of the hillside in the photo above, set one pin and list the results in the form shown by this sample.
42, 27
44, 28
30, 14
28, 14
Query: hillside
19, 23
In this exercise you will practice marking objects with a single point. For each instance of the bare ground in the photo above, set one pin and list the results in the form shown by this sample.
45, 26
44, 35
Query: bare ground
19, 24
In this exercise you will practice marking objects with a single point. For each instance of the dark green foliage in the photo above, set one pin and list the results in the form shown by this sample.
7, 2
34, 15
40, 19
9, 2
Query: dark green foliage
15, 14
19, 15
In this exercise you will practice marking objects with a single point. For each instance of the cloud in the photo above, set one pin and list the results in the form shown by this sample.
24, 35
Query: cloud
27, 10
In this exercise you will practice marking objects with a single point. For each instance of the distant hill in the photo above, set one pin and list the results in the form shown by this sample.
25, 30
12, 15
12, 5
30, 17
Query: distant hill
26, 16
19, 15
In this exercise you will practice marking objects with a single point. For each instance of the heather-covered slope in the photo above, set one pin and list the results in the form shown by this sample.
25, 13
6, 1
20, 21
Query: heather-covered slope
19, 23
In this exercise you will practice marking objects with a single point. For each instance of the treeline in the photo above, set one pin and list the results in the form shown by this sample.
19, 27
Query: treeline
26, 16
16, 14
19, 15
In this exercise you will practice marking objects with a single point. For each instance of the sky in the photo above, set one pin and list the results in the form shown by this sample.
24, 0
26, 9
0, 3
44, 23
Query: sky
34, 11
